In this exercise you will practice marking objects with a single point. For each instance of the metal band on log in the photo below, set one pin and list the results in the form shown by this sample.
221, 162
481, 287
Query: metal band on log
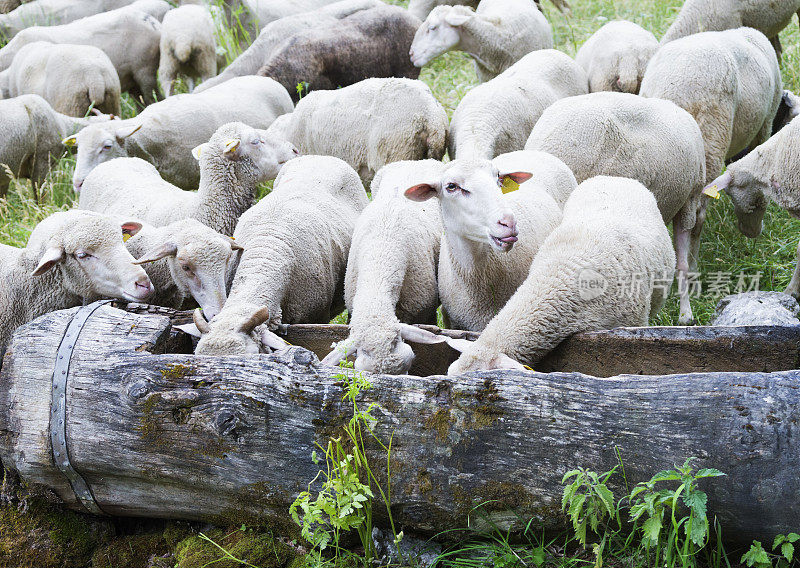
157, 433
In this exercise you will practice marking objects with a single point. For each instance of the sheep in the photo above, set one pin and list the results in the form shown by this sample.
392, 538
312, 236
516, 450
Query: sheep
188, 47
275, 34
616, 56
52, 13
767, 16
368, 43
30, 138
72, 78
165, 133
608, 264
71, 257
184, 260
421, 8
8, 5
129, 37
391, 273
385, 120
286, 275
549, 173
232, 165
787, 111
496, 35
728, 81
496, 117
490, 238
653, 141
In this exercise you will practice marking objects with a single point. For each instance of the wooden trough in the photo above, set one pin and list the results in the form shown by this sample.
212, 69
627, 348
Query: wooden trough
109, 409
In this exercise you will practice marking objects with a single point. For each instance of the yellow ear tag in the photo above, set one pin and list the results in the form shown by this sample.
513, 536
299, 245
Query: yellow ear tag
711, 191
70, 141
528, 368
232, 144
509, 185
125, 237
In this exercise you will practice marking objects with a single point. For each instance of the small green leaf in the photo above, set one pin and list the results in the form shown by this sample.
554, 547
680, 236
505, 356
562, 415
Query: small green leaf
787, 549
651, 529
793, 537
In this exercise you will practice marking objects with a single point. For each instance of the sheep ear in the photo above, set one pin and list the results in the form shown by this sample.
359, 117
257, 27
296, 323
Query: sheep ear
165, 250
122, 133
518, 177
231, 147
70, 140
130, 229
259, 316
421, 192
273, 341
50, 258
200, 321
190, 329
503, 361
722, 183
235, 245
417, 335
341, 352
197, 151
460, 345
457, 18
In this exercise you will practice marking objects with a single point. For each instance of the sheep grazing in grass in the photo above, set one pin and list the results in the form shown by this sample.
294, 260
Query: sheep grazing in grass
31, 138
609, 263
185, 260
71, 257
368, 43
391, 273
165, 133
72, 78
286, 275
128, 36
386, 120
232, 164
274, 36
421, 8
188, 47
496, 35
490, 238
728, 81
615, 57
497, 117
653, 141
767, 16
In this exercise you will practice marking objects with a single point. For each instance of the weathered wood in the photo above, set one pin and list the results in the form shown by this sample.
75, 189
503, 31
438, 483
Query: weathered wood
208, 438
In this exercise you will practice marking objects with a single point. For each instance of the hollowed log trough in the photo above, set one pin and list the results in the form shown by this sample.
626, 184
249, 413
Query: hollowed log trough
155, 431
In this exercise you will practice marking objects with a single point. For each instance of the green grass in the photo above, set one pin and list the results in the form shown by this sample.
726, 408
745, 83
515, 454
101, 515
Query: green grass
724, 249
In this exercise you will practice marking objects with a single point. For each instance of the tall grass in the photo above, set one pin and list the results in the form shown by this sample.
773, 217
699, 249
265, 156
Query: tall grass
724, 250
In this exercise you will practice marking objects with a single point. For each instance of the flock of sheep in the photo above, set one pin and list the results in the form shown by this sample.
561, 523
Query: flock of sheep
560, 171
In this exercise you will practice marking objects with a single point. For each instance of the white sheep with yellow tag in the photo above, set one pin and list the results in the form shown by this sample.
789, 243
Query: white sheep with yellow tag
232, 165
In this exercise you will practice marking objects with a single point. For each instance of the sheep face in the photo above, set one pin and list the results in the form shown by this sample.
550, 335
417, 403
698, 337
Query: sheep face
89, 252
98, 143
472, 202
250, 153
438, 33
749, 203
472, 359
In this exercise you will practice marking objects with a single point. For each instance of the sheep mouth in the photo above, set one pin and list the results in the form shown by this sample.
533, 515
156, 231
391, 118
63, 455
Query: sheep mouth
504, 243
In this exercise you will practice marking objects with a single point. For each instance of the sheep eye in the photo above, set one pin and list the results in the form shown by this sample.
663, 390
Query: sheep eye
107, 146
433, 28
451, 186
186, 268
81, 255
256, 142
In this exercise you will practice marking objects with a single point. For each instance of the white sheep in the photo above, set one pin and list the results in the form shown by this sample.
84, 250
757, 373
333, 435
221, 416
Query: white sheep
385, 120
421, 8
127, 35
184, 260
72, 78
616, 56
497, 117
232, 165
275, 35
188, 47
496, 35
549, 173
653, 141
165, 133
490, 238
71, 257
767, 16
296, 241
391, 273
30, 138
53, 13
609, 263
728, 81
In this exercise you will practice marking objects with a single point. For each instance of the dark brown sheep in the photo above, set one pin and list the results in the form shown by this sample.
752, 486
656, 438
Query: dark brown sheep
370, 43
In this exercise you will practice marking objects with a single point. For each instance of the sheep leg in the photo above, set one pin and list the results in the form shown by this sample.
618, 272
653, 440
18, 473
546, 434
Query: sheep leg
794, 286
694, 252
776, 43
682, 246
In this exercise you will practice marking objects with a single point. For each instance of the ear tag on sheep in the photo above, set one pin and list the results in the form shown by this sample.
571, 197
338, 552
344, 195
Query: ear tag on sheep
509, 185
232, 144
527, 368
69, 141
712, 191
125, 237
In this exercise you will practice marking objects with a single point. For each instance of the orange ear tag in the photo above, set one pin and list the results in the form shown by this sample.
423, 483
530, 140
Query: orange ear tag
509, 185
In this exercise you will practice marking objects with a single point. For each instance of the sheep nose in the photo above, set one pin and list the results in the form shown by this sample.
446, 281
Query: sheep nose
296, 151
143, 286
509, 222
